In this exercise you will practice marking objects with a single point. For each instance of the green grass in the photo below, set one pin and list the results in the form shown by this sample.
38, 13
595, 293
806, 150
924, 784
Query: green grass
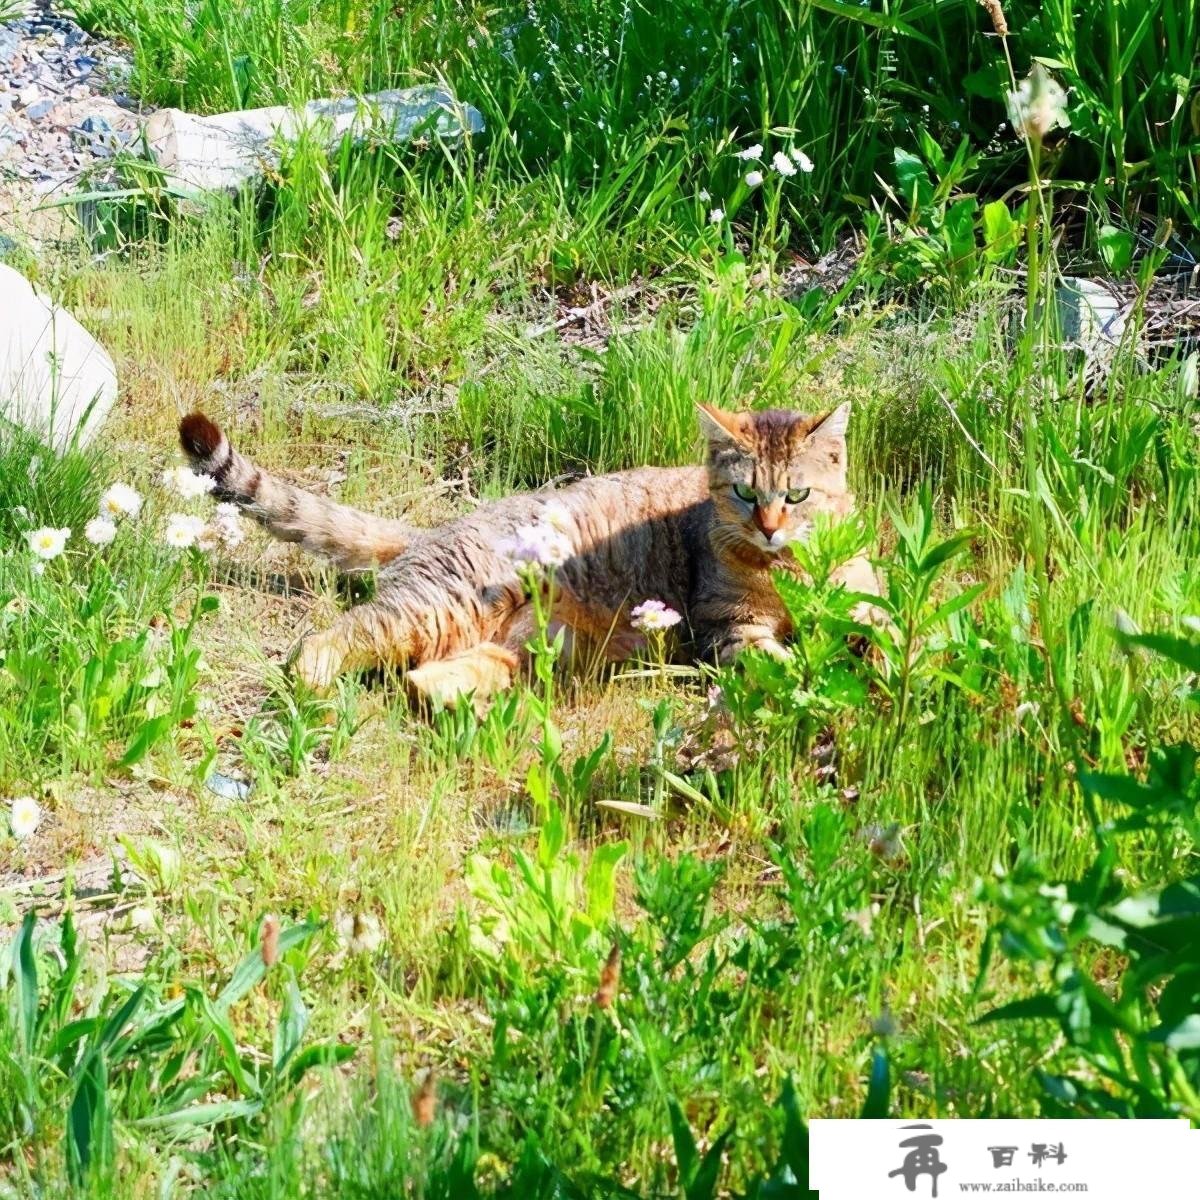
382, 326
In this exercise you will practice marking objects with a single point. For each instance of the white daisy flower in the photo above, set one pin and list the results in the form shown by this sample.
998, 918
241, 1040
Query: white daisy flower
716, 216
783, 164
360, 933
557, 516
227, 525
751, 153
1038, 105
25, 815
120, 501
100, 531
653, 614
801, 160
183, 531
48, 543
753, 178
537, 545
186, 483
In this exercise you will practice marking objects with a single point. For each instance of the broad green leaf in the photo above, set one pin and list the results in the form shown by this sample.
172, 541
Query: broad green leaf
218, 1022
1031, 1008
1116, 248
875, 1107
1179, 650
704, 1184
601, 888
198, 1115
330, 1054
687, 1158
866, 16
89, 1130
293, 1021
250, 971
1001, 233
24, 969
947, 609
946, 550
1182, 1035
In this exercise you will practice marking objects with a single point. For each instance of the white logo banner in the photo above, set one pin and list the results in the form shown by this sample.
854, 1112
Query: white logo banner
936, 1159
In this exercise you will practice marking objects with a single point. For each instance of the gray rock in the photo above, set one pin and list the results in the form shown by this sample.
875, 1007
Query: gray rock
227, 787
35, 112
1091, 317
229, 151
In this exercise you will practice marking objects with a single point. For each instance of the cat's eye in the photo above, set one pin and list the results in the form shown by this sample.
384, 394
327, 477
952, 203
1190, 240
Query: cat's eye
798, 495
743, 491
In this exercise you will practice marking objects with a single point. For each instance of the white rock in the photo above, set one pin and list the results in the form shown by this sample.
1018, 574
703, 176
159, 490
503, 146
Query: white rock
228, 151
1091, 317
56, 380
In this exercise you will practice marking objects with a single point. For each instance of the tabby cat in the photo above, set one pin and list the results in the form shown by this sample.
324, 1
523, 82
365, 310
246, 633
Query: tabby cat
450, 606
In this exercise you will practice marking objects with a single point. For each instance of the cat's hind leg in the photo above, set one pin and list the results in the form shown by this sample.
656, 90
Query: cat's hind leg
480, 671
369, 635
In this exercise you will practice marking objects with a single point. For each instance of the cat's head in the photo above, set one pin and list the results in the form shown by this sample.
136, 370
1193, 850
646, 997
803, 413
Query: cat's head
771, 472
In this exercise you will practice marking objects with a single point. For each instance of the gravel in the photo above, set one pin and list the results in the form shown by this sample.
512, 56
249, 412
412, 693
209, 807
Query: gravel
60, 119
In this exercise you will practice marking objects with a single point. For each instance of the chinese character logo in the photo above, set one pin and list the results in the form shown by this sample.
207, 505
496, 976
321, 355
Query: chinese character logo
921, 1159
1040, 1152
1002, 1156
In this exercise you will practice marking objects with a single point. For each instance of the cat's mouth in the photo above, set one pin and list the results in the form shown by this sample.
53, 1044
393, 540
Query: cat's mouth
777, 543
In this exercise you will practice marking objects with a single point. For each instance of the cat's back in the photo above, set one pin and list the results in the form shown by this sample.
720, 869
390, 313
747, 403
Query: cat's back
625, 498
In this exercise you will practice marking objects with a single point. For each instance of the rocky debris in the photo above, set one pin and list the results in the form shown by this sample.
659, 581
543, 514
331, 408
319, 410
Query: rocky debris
56, 380
57, 121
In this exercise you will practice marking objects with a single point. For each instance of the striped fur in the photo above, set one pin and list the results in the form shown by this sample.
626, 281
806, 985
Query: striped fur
451, 609
351, 539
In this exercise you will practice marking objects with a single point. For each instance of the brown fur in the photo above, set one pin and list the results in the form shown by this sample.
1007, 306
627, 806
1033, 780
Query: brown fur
450, 606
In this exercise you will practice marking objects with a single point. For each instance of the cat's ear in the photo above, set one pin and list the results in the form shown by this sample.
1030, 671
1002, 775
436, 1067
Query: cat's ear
830, 430
721, 428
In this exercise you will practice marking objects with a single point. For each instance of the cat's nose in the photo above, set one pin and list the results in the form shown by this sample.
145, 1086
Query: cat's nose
768, 518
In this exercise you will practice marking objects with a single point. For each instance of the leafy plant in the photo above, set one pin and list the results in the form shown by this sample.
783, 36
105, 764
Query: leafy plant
1134, 1046
137, 1057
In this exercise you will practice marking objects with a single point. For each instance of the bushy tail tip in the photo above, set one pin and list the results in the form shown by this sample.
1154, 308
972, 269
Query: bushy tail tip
200, 437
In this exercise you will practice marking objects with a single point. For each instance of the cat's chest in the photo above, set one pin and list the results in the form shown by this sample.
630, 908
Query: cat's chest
745, 597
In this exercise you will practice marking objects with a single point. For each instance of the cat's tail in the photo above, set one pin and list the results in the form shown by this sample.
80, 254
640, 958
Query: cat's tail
353, 540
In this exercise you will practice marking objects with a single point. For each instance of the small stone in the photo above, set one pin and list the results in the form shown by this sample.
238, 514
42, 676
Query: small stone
227, 787
35, 112
10, 44
30, 94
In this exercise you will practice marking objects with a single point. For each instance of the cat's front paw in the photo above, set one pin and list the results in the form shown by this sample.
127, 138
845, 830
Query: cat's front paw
765, 642
317, 663
773, 647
